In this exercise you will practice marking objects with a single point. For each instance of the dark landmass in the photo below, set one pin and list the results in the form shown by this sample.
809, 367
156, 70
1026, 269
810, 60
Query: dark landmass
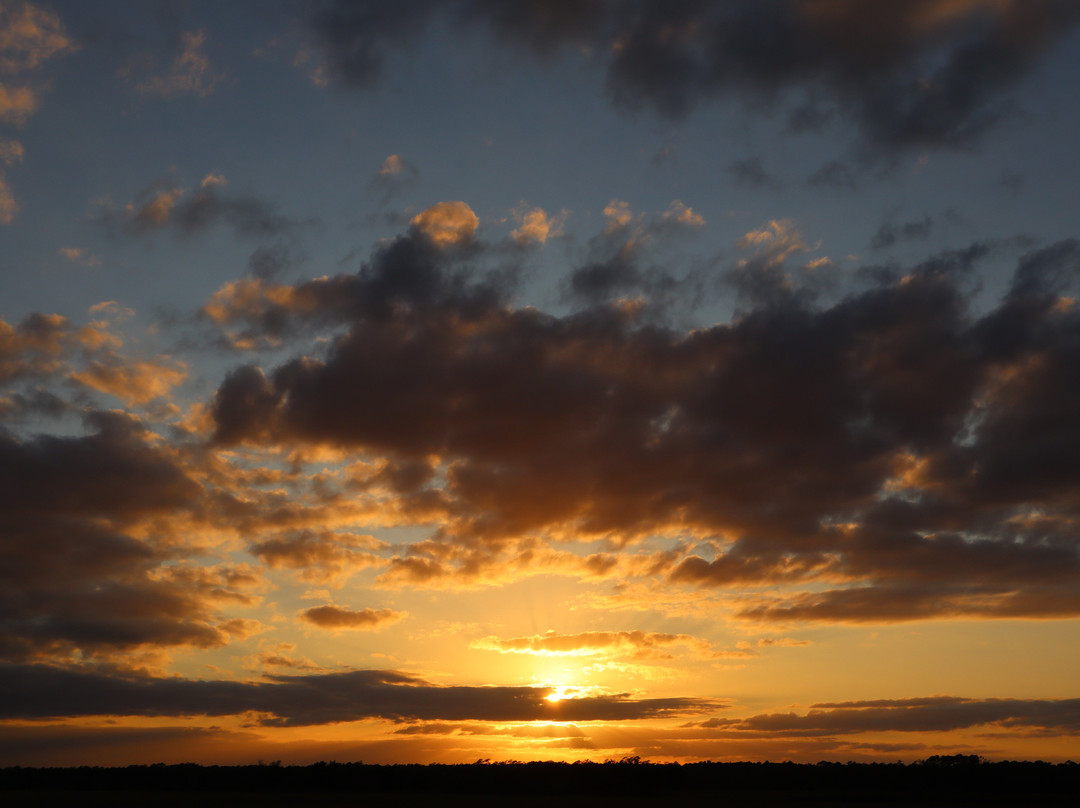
952, 780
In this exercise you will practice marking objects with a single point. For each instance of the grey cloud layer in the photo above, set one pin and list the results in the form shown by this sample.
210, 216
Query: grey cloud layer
910, 73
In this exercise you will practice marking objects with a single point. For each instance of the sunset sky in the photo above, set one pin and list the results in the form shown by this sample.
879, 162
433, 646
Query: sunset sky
556, 379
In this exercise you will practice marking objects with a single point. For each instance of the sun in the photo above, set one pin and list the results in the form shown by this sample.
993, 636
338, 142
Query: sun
558, 693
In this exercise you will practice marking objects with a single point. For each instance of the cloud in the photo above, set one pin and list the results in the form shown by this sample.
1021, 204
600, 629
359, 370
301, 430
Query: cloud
78, 578
38, 691
929, 714
279, 655
167, 205
133, 381
29, 36
763, 279
680, 214
352, 38
611, 643
11, 152
32, 347
78, 255
889, 234
447, 223
910, 458
396, 165
911, 74
449, 566
336, 617
514, 730
836, 175
8, 206
189, 74
628, 264
535, 225
16, 104
320, 556
48, 345
395, 174
751, 173
896, 603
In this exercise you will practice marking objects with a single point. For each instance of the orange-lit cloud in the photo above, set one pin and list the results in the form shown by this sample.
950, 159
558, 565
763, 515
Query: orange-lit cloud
324, 556
679, 213
11, 152
336, 617
131, 380
447, 223
638, 644
29, 36
535, 225
78, 255
8, 206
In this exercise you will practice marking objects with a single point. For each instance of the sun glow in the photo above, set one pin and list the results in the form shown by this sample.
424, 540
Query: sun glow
560, 692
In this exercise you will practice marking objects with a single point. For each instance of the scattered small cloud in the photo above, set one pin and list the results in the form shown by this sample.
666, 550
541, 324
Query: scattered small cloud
750, 173
167, 205
189, 74
11, 152
536, 226
394, 175
29, 36
79, 255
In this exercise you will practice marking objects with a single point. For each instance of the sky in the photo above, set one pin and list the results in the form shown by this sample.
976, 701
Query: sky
438, 381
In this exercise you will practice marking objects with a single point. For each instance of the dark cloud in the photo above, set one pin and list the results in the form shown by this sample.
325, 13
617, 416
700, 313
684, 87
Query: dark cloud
891, 439
270, 262
836, 175
36, 402
166, 205
410, 272
908, 73
628, 261
602, 280
72, 578
336, 617
751, 173
543, 26
518, 731
934, 714
37, 691
353, 37
889, 234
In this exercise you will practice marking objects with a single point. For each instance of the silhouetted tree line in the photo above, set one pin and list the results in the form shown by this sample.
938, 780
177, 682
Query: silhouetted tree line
940, 774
